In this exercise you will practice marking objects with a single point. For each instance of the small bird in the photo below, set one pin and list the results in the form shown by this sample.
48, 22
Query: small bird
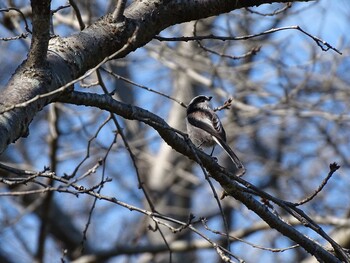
204, 128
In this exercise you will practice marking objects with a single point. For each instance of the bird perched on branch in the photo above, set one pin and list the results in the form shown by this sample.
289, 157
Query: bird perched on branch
205, 129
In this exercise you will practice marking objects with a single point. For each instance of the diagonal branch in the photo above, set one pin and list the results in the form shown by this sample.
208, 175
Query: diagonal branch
170, 136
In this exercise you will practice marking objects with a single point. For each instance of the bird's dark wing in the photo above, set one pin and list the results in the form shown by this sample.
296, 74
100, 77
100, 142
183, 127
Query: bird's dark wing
209, 122
218, 127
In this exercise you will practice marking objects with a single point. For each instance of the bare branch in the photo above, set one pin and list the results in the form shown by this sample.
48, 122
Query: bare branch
325, 46
22, 15
77, 13
276, 12
333, 167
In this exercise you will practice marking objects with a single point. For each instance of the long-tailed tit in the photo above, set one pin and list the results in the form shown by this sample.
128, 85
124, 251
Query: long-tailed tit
205, 129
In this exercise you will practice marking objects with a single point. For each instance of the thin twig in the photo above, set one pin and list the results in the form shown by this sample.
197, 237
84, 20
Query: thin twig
133, 159
142, 86
78, 14
131, 154
212, 189
99, 189
253, 51
22, 15
204, 222
297, 213
87, 155
333, 167
227, 104
325, 46
277, 11
78, 189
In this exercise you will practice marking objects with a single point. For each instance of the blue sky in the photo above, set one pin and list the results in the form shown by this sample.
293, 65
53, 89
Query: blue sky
322, 19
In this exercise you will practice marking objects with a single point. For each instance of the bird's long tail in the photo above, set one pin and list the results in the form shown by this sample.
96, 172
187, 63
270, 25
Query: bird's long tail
231, 154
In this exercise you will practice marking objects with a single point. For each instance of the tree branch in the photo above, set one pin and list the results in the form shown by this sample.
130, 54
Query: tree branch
41, 33
170, 136
69, 58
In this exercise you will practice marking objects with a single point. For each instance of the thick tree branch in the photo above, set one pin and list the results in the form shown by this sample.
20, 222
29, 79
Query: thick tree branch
41, 33
70, 57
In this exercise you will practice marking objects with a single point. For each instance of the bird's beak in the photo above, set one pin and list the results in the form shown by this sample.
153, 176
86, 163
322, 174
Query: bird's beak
210, 97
